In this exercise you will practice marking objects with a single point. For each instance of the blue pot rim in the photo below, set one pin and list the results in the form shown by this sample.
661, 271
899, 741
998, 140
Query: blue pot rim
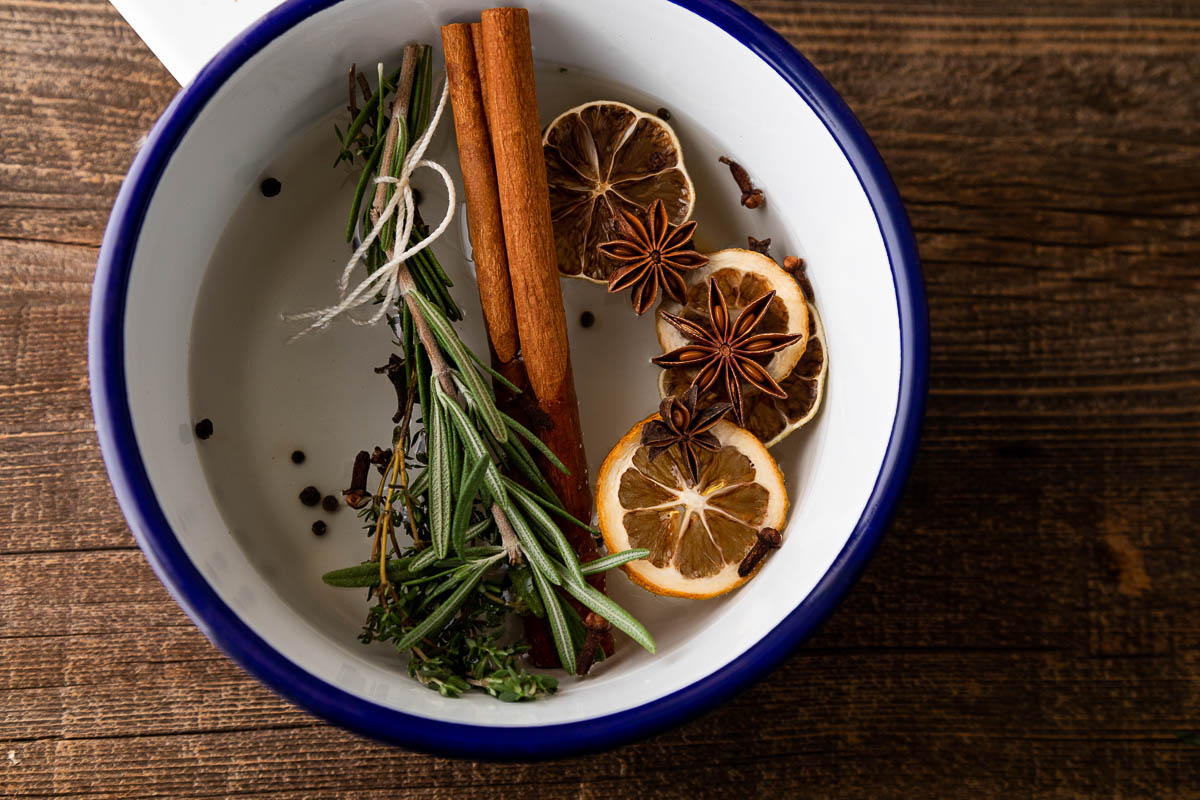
222, 625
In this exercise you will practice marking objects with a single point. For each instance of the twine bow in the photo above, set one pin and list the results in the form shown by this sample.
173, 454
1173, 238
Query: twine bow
385, 279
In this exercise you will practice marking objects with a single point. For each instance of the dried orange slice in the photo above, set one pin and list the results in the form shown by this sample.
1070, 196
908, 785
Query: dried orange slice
743, 276
772, 419
698, 531
601, 157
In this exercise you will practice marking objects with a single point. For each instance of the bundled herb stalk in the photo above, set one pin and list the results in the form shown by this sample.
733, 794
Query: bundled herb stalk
461, 482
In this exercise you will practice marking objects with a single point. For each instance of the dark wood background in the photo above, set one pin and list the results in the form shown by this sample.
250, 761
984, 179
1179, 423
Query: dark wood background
1031, 625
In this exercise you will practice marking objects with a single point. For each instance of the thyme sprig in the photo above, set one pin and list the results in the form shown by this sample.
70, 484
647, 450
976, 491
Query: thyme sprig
463, 483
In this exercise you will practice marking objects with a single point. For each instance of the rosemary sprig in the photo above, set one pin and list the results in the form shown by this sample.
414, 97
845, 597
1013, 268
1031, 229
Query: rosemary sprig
462, 483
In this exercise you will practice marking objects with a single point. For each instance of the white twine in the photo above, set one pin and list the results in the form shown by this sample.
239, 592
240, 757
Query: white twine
388, 274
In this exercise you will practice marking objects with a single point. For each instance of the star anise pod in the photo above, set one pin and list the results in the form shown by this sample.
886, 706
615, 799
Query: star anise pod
683, 427
652, 253
726, 350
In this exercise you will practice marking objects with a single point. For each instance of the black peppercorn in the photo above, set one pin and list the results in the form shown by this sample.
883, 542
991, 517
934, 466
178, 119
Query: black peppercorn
270, 187
310, 495
319, 527
204, 429
663, 114
330, 503
298, 456
587, 319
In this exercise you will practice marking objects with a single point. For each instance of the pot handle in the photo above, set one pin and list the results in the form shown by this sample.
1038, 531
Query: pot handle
185, 34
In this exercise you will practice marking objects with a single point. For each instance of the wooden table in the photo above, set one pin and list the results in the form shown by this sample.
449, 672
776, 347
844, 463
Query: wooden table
1030, 626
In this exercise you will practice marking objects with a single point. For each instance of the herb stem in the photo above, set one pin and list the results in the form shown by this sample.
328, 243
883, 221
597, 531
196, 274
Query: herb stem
400, 450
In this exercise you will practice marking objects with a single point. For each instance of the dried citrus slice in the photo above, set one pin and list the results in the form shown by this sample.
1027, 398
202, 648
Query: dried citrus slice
743, 276
601, 157
772, 419
698, 531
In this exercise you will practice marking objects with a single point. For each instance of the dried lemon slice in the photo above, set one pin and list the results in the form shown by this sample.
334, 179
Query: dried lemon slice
600, 157
699, 531
772, 419
743, 276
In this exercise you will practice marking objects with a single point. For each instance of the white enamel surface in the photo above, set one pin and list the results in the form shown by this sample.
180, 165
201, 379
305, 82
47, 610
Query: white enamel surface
217, 263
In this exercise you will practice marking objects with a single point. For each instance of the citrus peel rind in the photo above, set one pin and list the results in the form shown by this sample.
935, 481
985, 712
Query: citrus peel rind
743, 276
770, 419
602, 157
697, 532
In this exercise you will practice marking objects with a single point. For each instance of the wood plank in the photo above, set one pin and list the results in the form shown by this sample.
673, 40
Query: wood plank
1030, 627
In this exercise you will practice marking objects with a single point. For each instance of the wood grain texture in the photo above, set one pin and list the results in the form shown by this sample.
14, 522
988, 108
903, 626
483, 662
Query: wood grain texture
1031, 625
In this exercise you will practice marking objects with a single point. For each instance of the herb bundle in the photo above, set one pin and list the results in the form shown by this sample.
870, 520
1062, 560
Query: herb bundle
463, 484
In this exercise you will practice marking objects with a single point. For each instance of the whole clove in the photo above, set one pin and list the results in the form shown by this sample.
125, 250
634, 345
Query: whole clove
760, 245
799, 270
768, 539
751, 197
596, 626
381, 458
357, 495
396, 373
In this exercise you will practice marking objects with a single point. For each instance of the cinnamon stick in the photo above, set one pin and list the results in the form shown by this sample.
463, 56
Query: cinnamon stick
510, 99
484, 224
477, 40
463, 46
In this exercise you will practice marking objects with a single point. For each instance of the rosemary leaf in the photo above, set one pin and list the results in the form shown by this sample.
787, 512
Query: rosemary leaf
475, 442
529, 544
529, 436
477, 392
466, 501
539, 516
435, 267
387, 233
512, 387
363, 181
478, 529
454, 449
556, 508
424, 560
447, 566
453, 578
606, 607
417, 486
439, 485
524, 464
367, 574
418, 109
382, 113
442, 614
428, 557
558, 623
368, 110
605, 563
